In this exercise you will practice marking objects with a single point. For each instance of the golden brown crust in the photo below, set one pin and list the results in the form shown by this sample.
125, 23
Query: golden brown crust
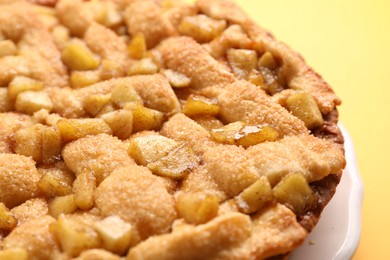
330, 129
326, 187
138, 197
298, 74
145, 16
154, 89
101, 154
76, 15
39, 56
230, 168
107, 44
18, 179
31, 209
33, 235
196, 242
316, 157
10, 123
244, 101
188, 57
118, 181
282, 235
97, 254
229, 236
181, 128
313, 157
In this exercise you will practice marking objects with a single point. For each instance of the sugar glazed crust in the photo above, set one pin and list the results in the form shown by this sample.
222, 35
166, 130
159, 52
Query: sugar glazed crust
151, 129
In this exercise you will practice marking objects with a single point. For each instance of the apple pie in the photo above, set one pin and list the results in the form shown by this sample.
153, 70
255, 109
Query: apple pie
158, 129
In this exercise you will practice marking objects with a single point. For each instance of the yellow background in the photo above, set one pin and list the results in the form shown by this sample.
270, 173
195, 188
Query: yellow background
348, 43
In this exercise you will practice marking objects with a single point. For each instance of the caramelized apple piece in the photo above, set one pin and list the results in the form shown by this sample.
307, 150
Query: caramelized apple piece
150, 148
144, 66
51, 145
271, 81
111, 69
120, 121
251, 135
5, 102
267, 60
145, 118
242, 61
20, 84
77, 56
55, 182
233, 37
7, 220
303, 106
29, 102
201, 27
62, 205
256, 78
246, 135
72, 129
80, 79
156, 57
255, 196
7, 47
74, 235
176, 79
44, 117
123, 94
294, 191
197, 208
137, 47
226, 134
61, 35
93, 104
84, 189
109, 17
14, 254
208, 122
199, 105
42, 143
176, 164
168, 4
108, 108
115, 233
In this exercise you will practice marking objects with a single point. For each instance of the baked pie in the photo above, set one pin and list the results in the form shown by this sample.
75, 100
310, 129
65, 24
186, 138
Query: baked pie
151, 129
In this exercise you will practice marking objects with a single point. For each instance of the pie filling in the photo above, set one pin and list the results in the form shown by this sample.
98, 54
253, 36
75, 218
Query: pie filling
157, 130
